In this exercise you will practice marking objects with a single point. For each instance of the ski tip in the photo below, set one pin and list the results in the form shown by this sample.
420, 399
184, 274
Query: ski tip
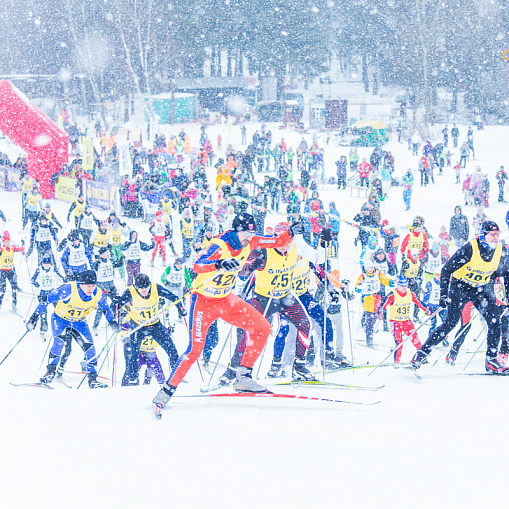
158, 410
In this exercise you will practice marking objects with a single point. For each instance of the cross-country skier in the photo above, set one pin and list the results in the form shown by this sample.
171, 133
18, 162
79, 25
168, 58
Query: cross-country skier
212, 298
7, 270
399, 303
45, 280
79, 207
76, 257
132, 249
143, 300
73, 303
466, 277
41, 233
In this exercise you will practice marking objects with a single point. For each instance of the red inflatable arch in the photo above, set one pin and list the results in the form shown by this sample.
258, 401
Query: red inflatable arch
45, 143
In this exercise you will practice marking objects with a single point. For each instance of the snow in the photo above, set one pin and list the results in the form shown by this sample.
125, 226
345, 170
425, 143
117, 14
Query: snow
437, 442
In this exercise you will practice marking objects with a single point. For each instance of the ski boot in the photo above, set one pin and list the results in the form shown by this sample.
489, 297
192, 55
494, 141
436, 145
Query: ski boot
49, 376
245, 382
275, 368
93, 383
418, 359
60, 372
14, 308
342, 360
300, 372
164, 395
227, 376
494, 367
445, 343
502, 358
95, 331
451, 356
206, 363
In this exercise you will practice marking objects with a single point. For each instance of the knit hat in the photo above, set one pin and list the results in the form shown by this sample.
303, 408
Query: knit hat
281, 227
402, 280
489, 226
6, 236
159, 213
46, 259
142, 281
88, 277
103, 249
243, 223
178, 261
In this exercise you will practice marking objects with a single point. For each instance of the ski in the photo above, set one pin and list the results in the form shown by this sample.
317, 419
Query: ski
83, 373
158, 409
273, 395
360, 366
414, 372
483, 374
35, 384
16, 313
213, 388
328, 384
63, 383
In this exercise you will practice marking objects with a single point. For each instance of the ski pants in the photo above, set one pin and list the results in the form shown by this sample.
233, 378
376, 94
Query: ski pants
133, 269
231, 309
342, 181
80, 332
43, 297
466, 325
110, 290
160, 335
9, 275
159, 241
400, 329
442, 314
369, 326
483, 298
154, 367
116, 255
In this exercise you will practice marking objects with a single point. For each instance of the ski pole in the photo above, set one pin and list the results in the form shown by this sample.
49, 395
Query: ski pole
325, 292
97, 357
45, 353
349, 327
478, 348
405, 340
17, 343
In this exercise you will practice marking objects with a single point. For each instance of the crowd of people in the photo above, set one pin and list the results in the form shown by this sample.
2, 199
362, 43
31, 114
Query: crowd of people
232, 267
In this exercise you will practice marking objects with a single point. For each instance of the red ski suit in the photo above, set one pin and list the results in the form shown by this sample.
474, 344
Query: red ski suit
212, 298
400, 328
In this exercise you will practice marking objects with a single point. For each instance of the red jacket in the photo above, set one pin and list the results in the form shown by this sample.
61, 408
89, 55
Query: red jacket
364, 169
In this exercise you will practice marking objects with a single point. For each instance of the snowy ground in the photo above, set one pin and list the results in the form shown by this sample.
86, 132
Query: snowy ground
437, 442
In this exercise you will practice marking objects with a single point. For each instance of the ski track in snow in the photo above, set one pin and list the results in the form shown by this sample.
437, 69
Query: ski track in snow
437, 442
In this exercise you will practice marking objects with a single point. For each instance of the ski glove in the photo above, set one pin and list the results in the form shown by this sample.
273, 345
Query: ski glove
228, 264
115, 326
182, 311
444, 301
30, 250
296, 229
32, 321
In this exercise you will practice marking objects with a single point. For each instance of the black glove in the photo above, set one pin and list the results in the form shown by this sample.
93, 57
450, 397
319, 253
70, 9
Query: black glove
227, 264
32, 321
335, 297
30, 250
444, 301
115, 326
326, 235
296, 229
182, 311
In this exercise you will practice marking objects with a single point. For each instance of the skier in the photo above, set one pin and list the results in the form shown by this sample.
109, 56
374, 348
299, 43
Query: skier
274, 268
455, 133
416, 238
472, 268
33, 205
501, 177
212, 298
432, 262
79, 207
411, 268
148, 357
86, 223
116, 231
41, 233
103, 267
400, 302
133, 248
458, 228
7, 270
143, 299
73, 302
101, 238
368, 284
431, 300
75, 257
45, 280
50, 216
